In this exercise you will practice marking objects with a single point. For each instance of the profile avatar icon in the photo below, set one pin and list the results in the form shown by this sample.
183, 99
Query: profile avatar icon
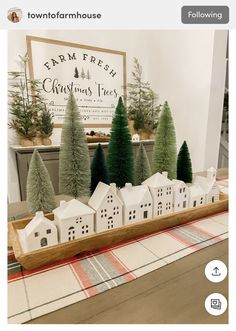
14, 15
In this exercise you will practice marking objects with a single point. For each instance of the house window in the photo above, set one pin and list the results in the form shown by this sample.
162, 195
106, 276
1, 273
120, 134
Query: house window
149, 204
184, 189
109, 198
85, 229
48, 231
184, 204
103, 213
132, 214
159, 192
201, 202
36, 234
168, 206
145, 214
194, 203
213, 199
180, 190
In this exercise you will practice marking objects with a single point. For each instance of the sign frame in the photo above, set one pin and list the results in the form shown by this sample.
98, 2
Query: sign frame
30, 38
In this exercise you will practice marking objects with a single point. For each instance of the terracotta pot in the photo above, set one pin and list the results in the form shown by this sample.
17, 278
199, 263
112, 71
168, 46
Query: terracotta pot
26, 142
47, 141
37, 140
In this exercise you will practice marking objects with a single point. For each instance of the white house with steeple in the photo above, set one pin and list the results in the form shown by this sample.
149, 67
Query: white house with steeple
209, 185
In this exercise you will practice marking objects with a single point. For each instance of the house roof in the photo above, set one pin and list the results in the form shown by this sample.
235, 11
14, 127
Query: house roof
206, 184
99, 194
177, 184
72, 208
36, 221
195, 190
157, 180
133, 195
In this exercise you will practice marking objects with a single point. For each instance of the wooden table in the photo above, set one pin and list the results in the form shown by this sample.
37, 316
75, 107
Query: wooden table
174, 293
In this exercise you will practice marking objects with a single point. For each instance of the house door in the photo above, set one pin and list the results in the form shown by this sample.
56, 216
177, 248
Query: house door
110, 223
71, 233
159, 208
145, 214
43, 242
213, 199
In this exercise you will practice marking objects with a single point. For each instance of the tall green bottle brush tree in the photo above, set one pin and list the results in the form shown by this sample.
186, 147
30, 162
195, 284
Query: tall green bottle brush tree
184, 164
120, 152
99, 171
164, 150
142, 169
74, 161
40, 192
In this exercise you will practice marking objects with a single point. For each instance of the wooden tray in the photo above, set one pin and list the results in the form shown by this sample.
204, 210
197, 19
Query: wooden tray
96, 139
59, 252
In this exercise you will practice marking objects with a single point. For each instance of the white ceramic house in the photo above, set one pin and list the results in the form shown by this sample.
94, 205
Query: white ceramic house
197, 196
138, 203
40, 232
209, 185
135, 137
74, 220
161, 189
108, 207
180, 195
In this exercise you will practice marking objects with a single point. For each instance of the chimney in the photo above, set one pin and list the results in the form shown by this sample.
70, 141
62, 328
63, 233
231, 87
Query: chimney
164, 173
39, 214
128, 186
62, 202
113, 187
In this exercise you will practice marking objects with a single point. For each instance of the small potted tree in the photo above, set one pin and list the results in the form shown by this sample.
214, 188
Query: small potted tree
25, 105
142, 110
46, 126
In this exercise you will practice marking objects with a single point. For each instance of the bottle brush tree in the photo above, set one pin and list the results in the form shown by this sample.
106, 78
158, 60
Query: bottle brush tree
74, 161
142, 168
184, 164
120, 152
40, 192
164, 150
99, 171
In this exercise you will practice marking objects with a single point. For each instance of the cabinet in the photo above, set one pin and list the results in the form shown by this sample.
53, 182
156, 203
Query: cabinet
50, 156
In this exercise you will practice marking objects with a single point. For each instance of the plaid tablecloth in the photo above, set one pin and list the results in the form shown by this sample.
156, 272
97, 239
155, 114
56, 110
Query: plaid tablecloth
37, 292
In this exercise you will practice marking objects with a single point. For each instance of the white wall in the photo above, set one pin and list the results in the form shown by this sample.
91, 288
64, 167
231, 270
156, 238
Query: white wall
185, 67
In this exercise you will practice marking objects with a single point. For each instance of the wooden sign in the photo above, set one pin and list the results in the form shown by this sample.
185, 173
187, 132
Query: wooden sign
96, 76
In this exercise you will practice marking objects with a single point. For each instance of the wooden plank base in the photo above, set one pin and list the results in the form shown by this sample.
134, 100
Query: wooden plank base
59, 252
